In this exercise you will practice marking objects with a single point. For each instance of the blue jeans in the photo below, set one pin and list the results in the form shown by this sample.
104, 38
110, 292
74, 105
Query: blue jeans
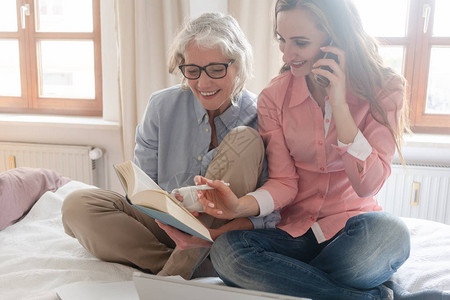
352, 265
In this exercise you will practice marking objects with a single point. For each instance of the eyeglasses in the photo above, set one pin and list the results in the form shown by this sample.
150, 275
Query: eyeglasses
214, 71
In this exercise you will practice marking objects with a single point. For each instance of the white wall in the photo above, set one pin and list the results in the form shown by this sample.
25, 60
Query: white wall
197, 7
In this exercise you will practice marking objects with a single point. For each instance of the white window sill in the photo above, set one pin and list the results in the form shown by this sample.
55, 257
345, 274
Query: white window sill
427, 140
426, 149
60, 121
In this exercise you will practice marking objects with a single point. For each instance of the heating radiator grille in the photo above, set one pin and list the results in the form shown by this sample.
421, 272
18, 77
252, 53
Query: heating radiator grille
67, 160
418, 192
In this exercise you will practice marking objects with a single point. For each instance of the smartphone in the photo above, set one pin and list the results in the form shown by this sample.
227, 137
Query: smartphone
322, 80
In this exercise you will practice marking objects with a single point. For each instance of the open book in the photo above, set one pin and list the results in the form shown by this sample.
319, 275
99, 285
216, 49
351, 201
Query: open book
146, 195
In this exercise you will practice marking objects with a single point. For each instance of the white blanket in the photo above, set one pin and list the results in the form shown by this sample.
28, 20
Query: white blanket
428, 266
36, 256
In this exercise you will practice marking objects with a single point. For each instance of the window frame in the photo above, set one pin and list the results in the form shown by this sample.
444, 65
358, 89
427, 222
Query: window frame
422, 122
416, 68
30, 102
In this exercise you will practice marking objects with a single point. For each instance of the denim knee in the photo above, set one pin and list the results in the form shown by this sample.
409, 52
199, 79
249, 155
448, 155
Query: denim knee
223, 257
386, 246
389, 230
370, 248
220, 251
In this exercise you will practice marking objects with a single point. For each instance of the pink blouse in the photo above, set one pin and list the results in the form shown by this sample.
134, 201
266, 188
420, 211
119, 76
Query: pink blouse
313, 178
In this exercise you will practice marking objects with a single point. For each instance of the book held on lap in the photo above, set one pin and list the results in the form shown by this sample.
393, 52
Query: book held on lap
144, 194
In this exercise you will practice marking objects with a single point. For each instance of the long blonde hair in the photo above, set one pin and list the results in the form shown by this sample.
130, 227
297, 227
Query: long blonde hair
365, 71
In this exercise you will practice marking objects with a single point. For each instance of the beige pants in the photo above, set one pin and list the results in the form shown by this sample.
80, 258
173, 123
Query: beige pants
112, 230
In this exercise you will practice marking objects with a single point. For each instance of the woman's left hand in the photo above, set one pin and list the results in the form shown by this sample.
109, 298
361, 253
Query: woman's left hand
184, 240
336, 90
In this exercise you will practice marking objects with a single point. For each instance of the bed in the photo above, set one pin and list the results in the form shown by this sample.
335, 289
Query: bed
37, 257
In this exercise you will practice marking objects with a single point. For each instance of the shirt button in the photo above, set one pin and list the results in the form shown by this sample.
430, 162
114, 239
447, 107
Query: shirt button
320, 143
207, 129
199, 157
199, 120
312, 218
327, 121
322, 168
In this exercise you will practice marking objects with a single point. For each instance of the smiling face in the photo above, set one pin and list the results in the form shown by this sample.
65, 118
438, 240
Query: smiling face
300, 40
213, 94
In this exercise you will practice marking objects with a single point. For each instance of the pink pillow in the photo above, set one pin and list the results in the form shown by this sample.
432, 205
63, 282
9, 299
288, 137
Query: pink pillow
20, 188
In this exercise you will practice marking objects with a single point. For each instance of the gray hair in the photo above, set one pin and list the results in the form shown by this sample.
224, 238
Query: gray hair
212, 30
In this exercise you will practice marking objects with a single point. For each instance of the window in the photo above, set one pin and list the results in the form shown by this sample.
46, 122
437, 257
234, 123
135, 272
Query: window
51, 59
415, 38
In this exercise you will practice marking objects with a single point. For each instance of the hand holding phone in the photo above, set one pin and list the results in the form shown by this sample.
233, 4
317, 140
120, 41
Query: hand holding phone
320, 79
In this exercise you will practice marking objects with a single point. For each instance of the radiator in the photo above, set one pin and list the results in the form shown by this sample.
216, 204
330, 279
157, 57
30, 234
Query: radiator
70, 161
417, 191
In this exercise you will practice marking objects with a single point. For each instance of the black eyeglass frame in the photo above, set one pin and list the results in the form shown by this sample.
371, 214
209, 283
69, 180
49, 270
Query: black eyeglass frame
226, 65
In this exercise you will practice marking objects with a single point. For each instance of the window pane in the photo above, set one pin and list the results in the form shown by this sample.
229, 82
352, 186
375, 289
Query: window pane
9, 68
67, 69
8, 16
393, 57
64, 15
438, 94
382, 22
441, 25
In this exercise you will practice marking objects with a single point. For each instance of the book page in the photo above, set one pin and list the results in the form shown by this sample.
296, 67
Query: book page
154, 199
126, 176
142, 181
133, 179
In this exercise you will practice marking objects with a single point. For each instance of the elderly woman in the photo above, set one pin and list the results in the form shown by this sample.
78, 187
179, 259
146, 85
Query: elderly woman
205, 126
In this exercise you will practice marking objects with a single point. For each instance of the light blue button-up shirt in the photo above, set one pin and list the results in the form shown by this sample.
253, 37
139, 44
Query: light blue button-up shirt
173, 138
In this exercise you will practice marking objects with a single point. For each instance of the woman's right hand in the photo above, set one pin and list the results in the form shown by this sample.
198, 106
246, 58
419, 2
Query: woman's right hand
220, 202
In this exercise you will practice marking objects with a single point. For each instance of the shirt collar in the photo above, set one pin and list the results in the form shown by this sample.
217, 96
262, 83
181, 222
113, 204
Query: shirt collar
299, 90
228, 117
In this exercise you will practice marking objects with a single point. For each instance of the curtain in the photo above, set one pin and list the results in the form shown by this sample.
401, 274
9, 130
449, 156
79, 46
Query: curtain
256, 20
144, 31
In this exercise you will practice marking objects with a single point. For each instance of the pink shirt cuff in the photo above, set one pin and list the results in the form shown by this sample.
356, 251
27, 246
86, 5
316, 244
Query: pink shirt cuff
360, 148
265, 202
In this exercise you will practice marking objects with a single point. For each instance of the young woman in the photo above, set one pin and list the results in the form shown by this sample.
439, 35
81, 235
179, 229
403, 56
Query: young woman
206, 126
329, 145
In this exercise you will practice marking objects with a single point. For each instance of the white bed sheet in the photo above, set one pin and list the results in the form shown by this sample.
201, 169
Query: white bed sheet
428, 266
36, 256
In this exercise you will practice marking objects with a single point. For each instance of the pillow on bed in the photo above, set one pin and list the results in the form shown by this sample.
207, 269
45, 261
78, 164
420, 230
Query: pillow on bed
20, 188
